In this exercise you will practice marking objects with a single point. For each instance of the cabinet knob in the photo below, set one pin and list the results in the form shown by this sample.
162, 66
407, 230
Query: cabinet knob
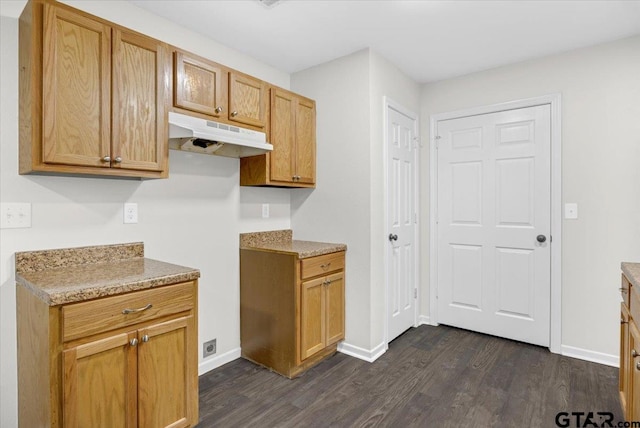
234, 113
218, 109
106, 159
637, 366
634, 353
145, 338
127, 311
622, 321
118, 159
133, 342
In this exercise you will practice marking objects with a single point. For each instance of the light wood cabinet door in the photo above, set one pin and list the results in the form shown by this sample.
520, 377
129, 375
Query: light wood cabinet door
283, 121
199, 85
305, 138
139, 102
247, 100
633, 398
76, 89
334, 312
166, 393
99, 383
312, 317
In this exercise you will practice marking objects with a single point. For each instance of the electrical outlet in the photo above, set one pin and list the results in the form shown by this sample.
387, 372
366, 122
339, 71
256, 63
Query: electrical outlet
265, 210
209, 348
130, 213
15, 215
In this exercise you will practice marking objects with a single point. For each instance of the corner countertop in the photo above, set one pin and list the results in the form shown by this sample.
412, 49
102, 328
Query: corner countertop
281, 241
632, 272
77, 274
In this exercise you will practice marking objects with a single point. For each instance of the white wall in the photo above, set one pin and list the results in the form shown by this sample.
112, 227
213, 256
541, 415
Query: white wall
347, 205
193, 218
600, 89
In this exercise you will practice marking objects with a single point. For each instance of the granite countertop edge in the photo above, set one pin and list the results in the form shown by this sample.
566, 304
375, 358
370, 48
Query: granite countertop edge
83, 292
302, 249
632, 272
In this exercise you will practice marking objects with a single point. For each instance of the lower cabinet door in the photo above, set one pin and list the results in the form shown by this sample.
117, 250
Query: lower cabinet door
312, 323
335, 308
625, 356
99, 383
167, 388
633, 402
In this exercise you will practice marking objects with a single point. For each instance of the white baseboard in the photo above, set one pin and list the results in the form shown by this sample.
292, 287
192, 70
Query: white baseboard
425, 320
215, 362
361, 353
593, 356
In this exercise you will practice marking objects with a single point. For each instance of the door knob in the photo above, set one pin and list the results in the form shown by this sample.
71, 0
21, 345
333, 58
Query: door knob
393, 237
541, 238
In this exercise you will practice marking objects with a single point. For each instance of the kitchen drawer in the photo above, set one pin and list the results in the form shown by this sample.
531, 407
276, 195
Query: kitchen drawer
625, 290
321, 265
87, 318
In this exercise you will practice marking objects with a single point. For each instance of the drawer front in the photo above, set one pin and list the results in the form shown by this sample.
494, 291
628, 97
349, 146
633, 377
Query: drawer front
321, 265
87, 318
625, 290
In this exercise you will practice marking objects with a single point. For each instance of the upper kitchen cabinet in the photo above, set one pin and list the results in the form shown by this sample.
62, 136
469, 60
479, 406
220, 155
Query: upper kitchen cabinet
292, 163
93, 96
200, 85
224, 95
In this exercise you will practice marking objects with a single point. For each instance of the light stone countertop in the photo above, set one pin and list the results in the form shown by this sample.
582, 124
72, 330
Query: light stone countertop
77, 274
280, 241
632, 272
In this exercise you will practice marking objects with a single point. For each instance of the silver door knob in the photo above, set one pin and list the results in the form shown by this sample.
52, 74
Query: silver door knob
133, 342
634, 353
541, 238
218, 109
234, 113
393, 237
118, 159
145, 338
106, 159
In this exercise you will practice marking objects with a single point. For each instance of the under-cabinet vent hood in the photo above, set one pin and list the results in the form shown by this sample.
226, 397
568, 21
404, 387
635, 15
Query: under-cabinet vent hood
212, 138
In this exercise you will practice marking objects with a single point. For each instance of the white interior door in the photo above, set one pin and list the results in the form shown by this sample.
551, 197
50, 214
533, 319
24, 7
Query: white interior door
494, 223
402, 216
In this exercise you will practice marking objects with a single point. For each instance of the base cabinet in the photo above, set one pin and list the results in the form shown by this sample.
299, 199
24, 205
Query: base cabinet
129, 370
291, 309
630, 351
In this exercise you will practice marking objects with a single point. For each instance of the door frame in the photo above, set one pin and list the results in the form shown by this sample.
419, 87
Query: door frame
388, 103
555, 103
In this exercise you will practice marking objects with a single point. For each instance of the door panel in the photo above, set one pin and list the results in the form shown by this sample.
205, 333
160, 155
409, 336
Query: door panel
335, 308
493, 200
305, 141
139, 111
247, 100
312, 317
282, 158
401, 141
200, 85
100, 383
77, 89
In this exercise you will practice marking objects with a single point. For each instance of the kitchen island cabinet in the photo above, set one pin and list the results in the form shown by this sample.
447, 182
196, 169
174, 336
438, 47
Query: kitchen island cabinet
629, 385
111, 341
291, 300
93, 95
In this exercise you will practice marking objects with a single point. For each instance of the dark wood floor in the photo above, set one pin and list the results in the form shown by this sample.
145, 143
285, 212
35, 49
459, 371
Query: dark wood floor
429, 377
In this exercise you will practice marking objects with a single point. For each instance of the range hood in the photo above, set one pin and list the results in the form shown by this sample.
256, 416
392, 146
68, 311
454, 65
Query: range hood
212, 138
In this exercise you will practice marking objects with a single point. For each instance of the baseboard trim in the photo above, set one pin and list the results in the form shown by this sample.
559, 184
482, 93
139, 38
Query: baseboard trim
220, 360
425, 320
593, 356
361, 353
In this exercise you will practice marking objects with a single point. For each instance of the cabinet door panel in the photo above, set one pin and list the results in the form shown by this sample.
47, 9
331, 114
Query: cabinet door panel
305, 137
199, 85
633, 402
335, 308
247, 100
166, 389
76, 85
139, 102
100, 383
312, 322
282, 158
624, 359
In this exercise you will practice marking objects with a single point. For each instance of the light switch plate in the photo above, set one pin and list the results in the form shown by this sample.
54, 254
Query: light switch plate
571, 211
15, 215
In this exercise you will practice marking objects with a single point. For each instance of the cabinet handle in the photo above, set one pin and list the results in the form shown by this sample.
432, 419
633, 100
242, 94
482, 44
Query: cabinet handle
234, 113
623, 290
218, 109
133, 342
106, 159
634, 353
637, 366
133, 311
118, 159
325, 266
327, 282
145, 338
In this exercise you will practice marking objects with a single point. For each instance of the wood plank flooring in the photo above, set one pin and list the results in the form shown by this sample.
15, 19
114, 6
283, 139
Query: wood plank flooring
429, 377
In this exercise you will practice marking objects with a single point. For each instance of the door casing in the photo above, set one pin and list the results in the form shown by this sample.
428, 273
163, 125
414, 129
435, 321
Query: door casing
554, 101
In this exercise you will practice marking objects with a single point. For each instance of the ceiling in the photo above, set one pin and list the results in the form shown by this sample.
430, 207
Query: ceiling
428, 40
